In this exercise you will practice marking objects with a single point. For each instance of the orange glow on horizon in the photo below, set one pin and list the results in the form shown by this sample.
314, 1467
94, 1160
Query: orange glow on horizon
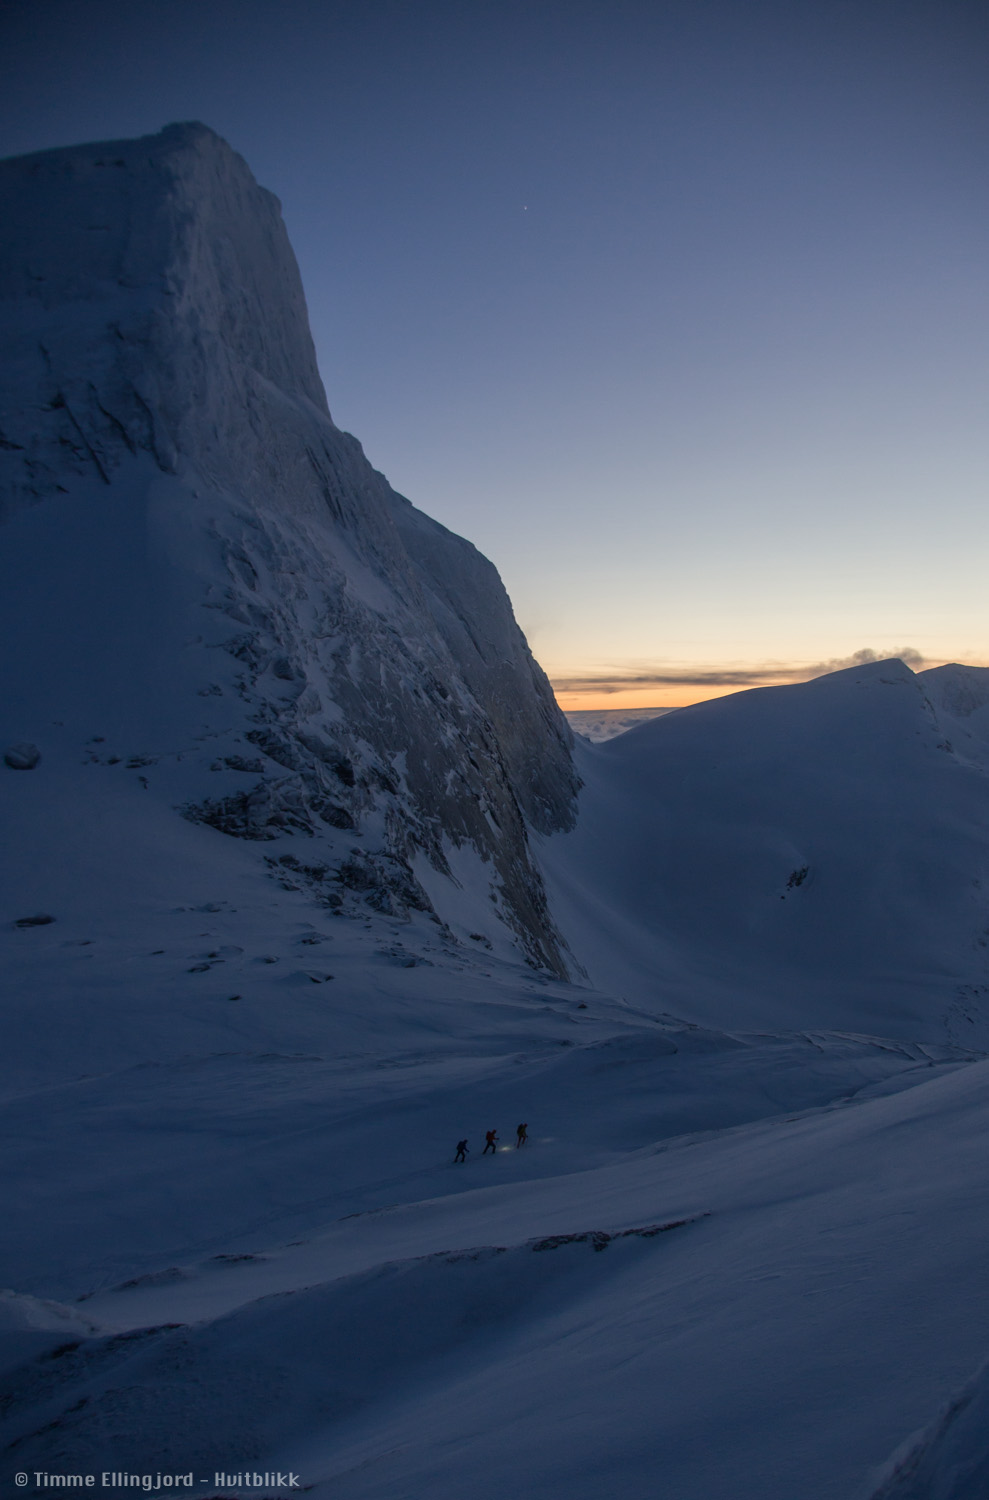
673, 696
595, 699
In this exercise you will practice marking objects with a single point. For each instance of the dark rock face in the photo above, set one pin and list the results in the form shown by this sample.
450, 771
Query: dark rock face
382, 686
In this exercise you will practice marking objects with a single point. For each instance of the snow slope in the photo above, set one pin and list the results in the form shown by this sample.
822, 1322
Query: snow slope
798, 856
762, 1310
960, 696
205, 1129
950, 1460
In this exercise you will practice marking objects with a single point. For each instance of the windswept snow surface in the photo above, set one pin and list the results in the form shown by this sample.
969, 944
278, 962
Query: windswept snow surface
950, 1460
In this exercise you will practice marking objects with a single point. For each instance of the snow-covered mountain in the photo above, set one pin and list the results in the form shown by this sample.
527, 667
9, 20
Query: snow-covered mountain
794, 856
202, 568
272, 744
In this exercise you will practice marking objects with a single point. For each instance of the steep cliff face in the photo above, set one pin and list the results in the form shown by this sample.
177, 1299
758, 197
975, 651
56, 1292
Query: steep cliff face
246, 595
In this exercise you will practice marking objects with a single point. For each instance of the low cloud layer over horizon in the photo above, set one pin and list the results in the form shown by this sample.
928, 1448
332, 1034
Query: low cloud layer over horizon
579, 691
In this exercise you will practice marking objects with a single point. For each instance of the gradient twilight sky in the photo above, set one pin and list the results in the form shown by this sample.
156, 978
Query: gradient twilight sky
678, 310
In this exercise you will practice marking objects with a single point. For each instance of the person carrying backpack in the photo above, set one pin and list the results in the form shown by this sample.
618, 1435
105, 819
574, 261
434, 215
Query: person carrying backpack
521, 1136
462, 1150
490, 1139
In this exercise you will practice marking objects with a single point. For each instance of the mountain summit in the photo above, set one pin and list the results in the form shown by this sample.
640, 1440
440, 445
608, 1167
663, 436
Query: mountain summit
208, 578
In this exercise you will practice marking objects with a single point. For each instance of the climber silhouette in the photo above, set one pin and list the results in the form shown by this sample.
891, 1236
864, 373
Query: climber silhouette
462, 1150
490, 1137
522, 1134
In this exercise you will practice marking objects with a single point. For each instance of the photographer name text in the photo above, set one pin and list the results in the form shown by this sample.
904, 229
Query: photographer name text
242, 1479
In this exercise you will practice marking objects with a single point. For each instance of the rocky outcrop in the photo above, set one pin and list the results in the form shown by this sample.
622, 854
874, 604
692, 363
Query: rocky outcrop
382, 687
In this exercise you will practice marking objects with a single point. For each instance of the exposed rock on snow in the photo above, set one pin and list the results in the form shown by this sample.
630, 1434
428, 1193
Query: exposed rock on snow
357, 657
22, 756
